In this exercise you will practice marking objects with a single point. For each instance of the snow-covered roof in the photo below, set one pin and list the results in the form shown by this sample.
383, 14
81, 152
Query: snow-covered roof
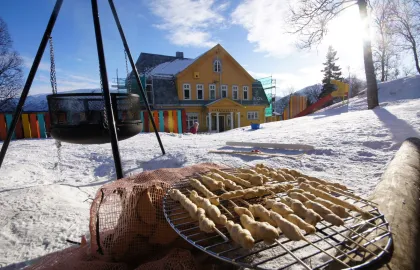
171, 67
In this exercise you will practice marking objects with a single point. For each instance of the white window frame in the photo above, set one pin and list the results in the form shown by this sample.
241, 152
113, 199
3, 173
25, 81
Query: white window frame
235, 89
186, 88
212, 85
245, 89
223, 88
202, 90
253, 115
217, 66
191, 119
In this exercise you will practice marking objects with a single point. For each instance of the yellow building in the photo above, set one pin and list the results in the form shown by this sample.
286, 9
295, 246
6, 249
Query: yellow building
213, 88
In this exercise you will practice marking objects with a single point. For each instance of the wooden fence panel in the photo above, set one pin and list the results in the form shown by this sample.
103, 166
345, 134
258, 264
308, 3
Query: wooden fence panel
26, 126
175, 121
3, 127
33, 122
41, 124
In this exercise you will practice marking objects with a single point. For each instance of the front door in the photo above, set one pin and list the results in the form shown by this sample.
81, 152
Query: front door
221, 123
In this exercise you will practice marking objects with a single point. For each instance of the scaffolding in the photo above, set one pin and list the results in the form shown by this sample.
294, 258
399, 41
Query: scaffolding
269, 86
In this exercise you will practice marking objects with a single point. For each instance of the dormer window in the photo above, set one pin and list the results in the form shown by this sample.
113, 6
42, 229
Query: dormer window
217, 66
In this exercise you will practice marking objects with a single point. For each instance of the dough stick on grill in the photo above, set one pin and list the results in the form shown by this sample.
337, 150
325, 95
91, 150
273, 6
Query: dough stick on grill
326, 213
211, 183
348, 194
287, 176
289, 229
228, 183
205, 224
278, 177
241, 210
336, 209
212, 211
308, 215
298, 190
261, 212
201, 188
298, 196
243, 170
239, 235
326, 196
234, 178
188, 205
309, 195
260, 230
279, 207
308, 228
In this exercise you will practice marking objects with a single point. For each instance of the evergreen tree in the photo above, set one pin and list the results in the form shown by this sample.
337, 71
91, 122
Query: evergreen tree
331, 72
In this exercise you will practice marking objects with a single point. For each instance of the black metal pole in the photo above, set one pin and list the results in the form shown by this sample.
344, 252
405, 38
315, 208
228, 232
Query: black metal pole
30, 78
107, 95
136, 73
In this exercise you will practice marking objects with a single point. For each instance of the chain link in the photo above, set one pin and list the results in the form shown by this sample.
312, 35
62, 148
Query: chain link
53, 81
128, 80
52, 68
130, 105
103, 100
59, 167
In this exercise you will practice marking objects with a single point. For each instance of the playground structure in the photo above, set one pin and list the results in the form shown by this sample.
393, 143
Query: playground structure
269, 85
342, 90
96, 120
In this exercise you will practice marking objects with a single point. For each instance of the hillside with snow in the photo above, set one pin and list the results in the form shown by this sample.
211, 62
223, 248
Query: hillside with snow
41, 208
38, 102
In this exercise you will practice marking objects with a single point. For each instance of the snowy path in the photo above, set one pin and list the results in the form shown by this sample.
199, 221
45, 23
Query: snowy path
39, 209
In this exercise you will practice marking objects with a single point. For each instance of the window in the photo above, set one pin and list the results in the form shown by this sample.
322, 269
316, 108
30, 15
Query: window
200, 91
235, 92
212, 91
224, 91
187, 91
217, 66
191, 119
253, 116
245, 89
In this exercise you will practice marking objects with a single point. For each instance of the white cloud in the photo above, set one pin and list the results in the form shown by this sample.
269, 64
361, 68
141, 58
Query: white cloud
264, 21
189, 22
28, 61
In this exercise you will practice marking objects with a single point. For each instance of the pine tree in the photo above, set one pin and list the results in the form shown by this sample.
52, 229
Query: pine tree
331, 72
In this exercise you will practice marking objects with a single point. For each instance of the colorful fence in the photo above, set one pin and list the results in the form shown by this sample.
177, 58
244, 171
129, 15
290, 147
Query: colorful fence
34, 125
166, 121
37, 125
296, 105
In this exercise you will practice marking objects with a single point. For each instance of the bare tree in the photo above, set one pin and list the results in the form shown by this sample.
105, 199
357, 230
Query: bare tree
407, 71
312, 93
10, 68
310, 19
357, 85
406, 24
385, 56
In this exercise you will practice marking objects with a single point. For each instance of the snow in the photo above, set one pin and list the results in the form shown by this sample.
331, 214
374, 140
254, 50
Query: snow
41, 208
172, 67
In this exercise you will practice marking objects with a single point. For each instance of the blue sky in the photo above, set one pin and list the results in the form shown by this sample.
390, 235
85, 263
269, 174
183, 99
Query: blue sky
251, 31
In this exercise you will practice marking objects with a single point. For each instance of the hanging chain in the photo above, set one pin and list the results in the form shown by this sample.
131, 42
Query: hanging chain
103, 101
52, 68
53, 81
128, 80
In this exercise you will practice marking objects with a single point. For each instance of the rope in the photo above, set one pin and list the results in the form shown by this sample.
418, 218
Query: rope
128, 80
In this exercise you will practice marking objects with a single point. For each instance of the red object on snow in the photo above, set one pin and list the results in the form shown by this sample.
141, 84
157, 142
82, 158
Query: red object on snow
194, 129
315, 106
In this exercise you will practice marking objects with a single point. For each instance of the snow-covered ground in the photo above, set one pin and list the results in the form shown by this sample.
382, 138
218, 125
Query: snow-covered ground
41, 208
